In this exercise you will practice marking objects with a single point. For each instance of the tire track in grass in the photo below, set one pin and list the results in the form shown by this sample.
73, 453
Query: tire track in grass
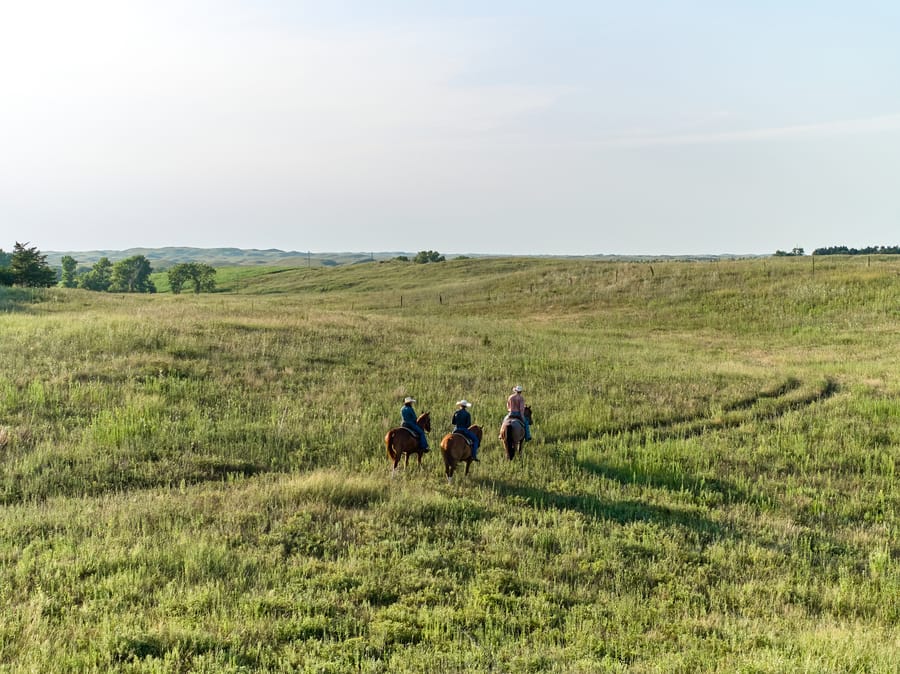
766, 405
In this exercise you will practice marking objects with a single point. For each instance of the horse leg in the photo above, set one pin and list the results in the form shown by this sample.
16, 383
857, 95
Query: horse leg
468, 463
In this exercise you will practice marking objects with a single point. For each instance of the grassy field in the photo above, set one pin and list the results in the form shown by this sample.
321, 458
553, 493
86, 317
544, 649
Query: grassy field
198, 482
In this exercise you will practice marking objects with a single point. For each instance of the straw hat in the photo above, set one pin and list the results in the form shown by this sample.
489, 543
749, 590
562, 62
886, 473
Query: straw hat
464, 403
517, 389
408, 399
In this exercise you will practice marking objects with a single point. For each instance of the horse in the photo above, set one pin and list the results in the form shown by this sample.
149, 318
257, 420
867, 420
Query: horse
401, 440
455, 449
512, 433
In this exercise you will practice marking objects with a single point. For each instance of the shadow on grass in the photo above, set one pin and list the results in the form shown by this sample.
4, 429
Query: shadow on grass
66, 476
622, 512
14, 298
714, 489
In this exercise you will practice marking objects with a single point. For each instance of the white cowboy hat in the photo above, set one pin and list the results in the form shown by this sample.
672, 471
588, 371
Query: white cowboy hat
464, 403
409, 399
517, 389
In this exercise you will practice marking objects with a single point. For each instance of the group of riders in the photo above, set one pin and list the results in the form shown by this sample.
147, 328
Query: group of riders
462, 419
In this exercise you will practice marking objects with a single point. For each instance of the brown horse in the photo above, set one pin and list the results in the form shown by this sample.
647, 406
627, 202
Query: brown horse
512, 433
456, 449
400, 441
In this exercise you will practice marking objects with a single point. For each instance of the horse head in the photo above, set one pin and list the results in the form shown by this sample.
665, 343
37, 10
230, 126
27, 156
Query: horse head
424, 421
528, 414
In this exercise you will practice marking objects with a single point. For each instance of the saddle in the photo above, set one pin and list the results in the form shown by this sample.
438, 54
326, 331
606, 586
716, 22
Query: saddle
510, 420
410, 431
464, 437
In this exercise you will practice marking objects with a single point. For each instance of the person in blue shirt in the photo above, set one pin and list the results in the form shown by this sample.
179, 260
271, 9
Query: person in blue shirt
461, 422
408, 414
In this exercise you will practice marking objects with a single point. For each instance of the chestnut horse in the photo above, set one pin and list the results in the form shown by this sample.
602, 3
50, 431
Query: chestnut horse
512, 433
456, 449
400, 441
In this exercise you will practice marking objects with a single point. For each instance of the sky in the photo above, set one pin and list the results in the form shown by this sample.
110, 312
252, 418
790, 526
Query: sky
497, 127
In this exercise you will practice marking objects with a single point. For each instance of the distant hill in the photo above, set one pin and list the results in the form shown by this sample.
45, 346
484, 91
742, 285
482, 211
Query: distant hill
220, 257
161, 258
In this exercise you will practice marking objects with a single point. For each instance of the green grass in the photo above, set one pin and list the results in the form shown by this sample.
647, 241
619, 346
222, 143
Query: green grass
198, 482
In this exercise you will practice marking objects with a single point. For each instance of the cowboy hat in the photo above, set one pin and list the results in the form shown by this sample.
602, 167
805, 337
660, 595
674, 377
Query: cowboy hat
464, 403
408, 399
517, 389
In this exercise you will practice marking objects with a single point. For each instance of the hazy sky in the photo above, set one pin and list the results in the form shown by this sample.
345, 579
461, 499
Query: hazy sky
508, 126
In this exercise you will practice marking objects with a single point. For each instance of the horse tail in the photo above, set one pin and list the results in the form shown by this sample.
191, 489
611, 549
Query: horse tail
449, 463
510, 441
389, 445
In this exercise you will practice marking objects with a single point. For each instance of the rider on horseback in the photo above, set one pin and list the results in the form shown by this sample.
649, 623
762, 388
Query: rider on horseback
461, 422
408, 414
515, 404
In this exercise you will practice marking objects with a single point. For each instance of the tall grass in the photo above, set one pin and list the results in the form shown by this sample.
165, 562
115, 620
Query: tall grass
198, 483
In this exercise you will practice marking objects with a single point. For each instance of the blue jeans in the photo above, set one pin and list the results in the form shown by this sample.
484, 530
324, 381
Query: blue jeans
524, 420
415, 428
472, 438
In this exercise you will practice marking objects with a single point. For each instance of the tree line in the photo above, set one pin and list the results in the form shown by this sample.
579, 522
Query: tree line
870, 250
26, 266
424, 257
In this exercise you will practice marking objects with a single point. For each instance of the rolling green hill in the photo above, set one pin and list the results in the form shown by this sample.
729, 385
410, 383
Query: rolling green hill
199, 482
161, 258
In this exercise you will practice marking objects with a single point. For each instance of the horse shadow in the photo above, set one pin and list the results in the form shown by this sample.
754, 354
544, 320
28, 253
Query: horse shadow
621, 512
720, 490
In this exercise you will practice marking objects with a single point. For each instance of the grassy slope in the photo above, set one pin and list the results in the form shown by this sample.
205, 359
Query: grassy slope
198, 482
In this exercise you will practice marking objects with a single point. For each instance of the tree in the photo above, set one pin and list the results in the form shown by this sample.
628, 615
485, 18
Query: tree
178, 276
98, 277
6, 276
424, 256
29, 267
796, 252
197, 274
132, 275
69, 265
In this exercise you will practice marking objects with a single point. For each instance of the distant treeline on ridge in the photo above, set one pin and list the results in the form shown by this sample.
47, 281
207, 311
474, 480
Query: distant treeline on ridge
870, 250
